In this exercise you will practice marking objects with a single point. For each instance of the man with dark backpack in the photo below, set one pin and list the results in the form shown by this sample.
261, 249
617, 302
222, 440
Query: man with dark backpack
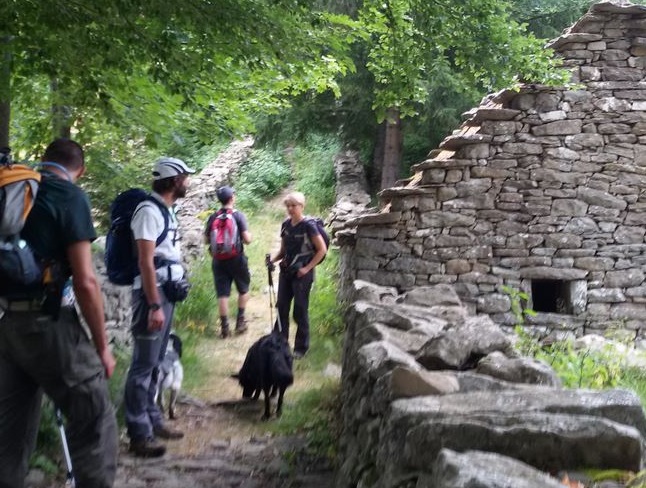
120, 250
157, 286
226, 232
44, 348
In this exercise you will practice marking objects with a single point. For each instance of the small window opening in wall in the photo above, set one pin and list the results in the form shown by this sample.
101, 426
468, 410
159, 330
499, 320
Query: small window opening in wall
552, 296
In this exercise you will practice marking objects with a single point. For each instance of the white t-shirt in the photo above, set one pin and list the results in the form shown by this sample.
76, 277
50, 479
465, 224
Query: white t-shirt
148, 224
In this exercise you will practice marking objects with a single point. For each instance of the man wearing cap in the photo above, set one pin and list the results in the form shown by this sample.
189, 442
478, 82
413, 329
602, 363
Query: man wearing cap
152, 312
233, 269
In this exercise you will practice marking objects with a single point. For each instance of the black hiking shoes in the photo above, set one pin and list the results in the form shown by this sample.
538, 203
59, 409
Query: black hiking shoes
147, 448
225, 332
241, 325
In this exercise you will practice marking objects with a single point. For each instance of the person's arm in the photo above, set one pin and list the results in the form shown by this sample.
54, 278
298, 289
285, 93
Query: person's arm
88, 294
280, 254
146, 255
244, 227
207, 230
321, 249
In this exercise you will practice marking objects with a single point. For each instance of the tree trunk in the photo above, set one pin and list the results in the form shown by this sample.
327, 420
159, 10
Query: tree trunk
374, 177
5, 89
392, 149
61, 120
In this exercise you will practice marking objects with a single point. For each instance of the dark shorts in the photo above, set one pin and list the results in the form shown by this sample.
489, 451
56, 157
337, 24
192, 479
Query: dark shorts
227, 271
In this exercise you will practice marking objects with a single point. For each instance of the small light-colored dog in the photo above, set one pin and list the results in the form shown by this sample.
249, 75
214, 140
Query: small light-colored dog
171, 375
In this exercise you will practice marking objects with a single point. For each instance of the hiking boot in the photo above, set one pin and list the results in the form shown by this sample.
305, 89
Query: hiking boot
224, 328
241, 325
299, 354
164, 432
147, 448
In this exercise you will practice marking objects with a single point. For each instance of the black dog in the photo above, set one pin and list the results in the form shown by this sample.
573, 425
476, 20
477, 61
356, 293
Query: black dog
267, 368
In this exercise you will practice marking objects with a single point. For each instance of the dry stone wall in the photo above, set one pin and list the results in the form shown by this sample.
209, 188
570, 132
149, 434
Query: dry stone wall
423, 380
540, 190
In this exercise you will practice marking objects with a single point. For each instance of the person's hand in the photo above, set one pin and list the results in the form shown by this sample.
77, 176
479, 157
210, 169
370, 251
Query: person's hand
302, 272
156, 320
108, 361
270, 266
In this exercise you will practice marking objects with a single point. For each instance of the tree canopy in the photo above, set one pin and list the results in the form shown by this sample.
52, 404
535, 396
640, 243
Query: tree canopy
153, 70
209, 65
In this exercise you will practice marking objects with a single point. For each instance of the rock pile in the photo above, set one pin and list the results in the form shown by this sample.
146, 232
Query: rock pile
423, 379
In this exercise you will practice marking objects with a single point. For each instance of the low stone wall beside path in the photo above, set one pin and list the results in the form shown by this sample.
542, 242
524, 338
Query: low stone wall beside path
434, 397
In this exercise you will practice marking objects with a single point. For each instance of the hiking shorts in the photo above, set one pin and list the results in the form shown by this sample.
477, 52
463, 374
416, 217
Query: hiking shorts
227, 271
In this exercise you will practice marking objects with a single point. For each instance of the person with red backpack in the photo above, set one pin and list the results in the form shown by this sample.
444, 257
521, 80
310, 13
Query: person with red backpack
303, 245
226, 233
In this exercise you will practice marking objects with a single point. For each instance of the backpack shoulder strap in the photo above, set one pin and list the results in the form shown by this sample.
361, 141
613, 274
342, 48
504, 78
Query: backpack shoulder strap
166, 214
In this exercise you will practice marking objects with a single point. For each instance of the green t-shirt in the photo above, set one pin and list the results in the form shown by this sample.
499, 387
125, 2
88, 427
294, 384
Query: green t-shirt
61, 216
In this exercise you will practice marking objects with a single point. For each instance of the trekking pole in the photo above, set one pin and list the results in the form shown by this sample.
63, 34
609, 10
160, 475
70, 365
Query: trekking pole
69, 479
272, 293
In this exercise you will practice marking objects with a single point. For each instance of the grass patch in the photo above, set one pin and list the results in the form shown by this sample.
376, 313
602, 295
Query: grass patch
48, 455
586, 368
314, 172
634, 379
198, 313
317, 414
194, 368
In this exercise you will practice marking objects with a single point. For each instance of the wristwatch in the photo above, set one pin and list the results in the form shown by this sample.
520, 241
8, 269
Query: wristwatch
154, 306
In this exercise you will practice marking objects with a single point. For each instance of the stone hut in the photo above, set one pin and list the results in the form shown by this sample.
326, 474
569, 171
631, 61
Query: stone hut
540, 190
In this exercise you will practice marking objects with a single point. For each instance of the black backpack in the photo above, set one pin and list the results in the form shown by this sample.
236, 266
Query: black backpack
307, 249
120, 248
320, 225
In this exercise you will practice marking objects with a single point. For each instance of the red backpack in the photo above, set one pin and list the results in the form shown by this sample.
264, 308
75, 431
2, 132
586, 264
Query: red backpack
225, 237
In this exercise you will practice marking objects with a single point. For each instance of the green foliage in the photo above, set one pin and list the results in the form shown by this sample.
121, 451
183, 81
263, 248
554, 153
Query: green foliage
634, 379
618, 475
135, 63
518, 300
47, 455
317, 413
547, 18
117, 382
198, 313
313, 164
262, 176
577, 368
325, 310
193, 365
477, 40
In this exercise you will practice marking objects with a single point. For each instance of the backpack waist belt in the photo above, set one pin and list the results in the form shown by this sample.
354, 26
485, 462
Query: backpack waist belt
21, 305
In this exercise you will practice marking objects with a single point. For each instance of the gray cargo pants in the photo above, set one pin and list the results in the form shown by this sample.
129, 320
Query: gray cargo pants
38, 354
149, 348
